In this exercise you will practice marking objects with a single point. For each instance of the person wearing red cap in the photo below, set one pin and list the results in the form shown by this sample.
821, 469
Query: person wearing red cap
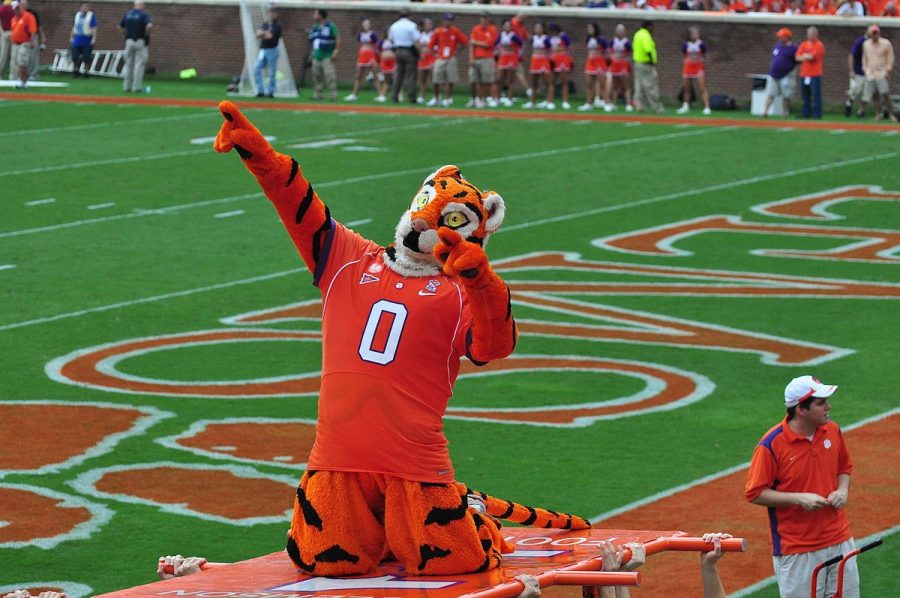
877, 63
801, 471
780, 80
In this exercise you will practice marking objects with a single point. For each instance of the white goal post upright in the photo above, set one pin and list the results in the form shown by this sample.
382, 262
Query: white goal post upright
253, 14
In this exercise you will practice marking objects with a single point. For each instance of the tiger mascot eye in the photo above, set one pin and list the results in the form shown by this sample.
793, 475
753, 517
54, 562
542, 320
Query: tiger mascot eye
396, 321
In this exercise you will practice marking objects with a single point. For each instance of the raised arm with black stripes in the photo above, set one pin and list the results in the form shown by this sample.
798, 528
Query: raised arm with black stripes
306, 219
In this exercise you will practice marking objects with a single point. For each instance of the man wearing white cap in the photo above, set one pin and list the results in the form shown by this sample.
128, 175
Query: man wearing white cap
801, 472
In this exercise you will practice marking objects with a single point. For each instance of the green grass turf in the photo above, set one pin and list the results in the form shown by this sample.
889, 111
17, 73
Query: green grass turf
72, 262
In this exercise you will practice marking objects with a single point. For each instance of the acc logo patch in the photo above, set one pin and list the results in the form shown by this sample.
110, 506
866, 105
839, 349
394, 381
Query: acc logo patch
828, 443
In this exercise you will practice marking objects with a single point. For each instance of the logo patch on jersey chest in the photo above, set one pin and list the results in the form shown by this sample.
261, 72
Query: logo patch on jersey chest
430, 288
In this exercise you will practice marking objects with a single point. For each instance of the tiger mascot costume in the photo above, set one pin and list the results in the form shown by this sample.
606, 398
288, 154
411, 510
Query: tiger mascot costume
396, 321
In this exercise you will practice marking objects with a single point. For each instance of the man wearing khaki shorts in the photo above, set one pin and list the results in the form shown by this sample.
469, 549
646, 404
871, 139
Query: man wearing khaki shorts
24, 34
446, 41
482, 41
801, 471
878, 61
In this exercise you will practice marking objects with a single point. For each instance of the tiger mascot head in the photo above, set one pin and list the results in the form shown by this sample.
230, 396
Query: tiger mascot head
445, 200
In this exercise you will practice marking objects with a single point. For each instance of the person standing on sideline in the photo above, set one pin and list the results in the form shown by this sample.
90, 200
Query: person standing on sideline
540, 69
780, 80
367, 59
326, 41
136, 25
426, 61
268, 34
618, 74
509, 46
694, 69
594, 69
561, 59
40, 44
446, 41
482, 40
6, 15
24, 37
878, 62
811, 56
646, 79
404, 34
82, 39
801, 471
857, 78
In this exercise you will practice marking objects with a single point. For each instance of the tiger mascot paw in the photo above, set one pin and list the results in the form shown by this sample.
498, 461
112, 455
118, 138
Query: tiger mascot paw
459, 257
238, 133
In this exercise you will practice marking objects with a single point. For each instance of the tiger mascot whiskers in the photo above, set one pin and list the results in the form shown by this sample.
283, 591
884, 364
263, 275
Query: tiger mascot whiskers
396, 321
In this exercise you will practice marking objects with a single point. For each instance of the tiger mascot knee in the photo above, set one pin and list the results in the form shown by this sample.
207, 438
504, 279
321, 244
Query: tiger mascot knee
396, 321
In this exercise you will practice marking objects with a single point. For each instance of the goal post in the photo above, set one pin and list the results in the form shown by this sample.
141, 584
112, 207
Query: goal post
253, 14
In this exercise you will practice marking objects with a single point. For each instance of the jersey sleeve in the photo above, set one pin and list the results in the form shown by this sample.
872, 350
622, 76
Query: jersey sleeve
566, 40
684, 48
340, 247
761, 474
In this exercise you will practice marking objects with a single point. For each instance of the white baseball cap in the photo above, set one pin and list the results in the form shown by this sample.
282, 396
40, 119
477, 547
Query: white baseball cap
800, 389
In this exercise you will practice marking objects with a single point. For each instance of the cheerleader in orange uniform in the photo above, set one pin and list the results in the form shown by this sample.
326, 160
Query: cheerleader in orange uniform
388, 63
694, 69
509, 47
366, 59
561, 59
594, 69
618, 74
426, 60
540, 68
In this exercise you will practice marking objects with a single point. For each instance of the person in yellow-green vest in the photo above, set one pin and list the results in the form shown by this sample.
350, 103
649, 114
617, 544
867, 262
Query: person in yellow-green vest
646, 80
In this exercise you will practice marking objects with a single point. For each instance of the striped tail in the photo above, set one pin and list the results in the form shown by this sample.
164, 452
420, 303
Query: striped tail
521, 514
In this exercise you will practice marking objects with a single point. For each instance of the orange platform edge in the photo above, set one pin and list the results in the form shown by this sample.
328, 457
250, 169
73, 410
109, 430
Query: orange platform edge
555, 557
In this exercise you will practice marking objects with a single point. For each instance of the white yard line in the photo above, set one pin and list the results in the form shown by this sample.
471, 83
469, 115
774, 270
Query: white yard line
197, 152
7, 266
40, 202
111, 123
152, 299
101, 206
228, 214
523, 225
423, 170
707, 189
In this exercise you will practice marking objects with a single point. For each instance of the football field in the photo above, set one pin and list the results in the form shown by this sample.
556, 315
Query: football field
160, 347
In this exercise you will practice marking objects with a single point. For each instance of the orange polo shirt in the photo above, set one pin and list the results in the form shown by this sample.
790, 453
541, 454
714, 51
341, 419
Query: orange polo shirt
446, 40
812, 68
785, 461
23, 28
487, 35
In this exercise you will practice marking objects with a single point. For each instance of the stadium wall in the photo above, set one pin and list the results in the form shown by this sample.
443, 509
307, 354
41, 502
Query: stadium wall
206, 35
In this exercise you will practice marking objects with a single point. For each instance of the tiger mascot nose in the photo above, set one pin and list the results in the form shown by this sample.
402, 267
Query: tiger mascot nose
420, 225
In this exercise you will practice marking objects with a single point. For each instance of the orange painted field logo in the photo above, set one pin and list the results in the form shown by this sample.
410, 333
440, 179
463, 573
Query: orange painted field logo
40, 517
79, 431
567, 318
234, 495
861, 244
816, 206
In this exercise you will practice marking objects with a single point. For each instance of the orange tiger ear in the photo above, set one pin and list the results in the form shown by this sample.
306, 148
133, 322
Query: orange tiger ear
495, 209
449, 170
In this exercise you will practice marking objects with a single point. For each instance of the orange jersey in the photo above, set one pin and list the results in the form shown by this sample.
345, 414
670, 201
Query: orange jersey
23, 28
486, 35
812, 68
446, 40
787, 462
391, 353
